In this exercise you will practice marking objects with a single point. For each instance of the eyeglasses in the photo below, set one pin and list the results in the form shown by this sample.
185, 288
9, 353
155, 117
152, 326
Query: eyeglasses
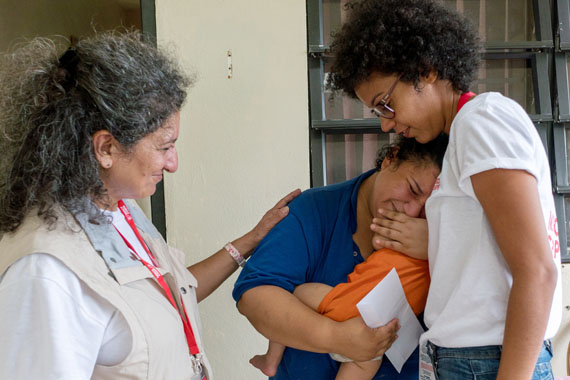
382, 109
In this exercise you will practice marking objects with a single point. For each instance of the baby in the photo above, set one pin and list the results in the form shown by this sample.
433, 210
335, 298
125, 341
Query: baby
339, 304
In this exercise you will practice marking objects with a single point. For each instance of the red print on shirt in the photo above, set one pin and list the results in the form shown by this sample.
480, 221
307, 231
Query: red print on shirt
436, 184
553, 235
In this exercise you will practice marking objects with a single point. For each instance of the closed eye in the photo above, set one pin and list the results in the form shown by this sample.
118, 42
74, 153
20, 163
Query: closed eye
413, 191
415, 188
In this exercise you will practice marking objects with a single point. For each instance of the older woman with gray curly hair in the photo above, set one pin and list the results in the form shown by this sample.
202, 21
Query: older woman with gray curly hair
88, 288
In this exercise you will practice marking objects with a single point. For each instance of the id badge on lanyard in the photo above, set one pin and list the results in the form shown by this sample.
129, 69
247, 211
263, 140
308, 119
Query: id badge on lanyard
198, 372
199, 376
426, 368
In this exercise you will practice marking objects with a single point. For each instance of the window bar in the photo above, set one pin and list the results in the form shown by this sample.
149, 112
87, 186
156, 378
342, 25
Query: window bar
542, 20
563, 9
323, 176
316, 90
542, 129
561, 71
541, 85
560, 154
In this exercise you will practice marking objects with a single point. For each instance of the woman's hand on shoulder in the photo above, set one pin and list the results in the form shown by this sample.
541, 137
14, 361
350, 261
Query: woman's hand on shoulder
270, 219
400, 232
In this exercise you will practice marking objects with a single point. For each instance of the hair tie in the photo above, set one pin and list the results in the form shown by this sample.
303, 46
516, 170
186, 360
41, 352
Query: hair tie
69, 61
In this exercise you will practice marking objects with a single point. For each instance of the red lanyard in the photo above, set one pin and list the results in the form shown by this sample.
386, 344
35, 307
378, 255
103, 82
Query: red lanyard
464, 98
185, 322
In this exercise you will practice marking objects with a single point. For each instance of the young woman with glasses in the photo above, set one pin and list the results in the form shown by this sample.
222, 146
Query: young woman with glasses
494, 255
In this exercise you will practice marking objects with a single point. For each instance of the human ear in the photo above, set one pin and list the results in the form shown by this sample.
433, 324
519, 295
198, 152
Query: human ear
385, 163
430, 78
390, 158
103, 147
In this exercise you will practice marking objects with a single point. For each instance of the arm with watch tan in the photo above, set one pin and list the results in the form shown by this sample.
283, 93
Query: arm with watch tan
214, 270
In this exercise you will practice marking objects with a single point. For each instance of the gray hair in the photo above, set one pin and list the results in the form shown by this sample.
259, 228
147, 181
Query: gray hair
50, 108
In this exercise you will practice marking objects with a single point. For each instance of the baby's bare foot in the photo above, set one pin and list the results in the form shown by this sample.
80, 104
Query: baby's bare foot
263, 363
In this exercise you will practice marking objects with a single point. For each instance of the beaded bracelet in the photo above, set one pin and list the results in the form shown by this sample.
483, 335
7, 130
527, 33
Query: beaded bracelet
235, 254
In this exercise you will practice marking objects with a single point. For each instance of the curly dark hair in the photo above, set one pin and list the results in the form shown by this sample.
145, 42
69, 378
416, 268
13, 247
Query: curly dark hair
50, 108
406, 150
406, 37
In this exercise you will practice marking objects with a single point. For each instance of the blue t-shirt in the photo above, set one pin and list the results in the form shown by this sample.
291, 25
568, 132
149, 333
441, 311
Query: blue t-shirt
313, 244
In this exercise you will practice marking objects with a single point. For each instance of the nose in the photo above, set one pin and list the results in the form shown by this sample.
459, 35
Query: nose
171, 164
387, 124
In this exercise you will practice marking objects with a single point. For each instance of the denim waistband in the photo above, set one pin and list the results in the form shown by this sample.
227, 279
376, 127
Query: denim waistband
482, 352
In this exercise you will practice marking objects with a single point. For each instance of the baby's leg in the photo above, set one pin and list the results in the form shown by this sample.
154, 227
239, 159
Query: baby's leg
312, 293
358, 370
269, 362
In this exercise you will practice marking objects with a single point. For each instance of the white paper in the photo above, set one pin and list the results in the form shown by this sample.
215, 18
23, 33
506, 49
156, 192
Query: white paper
386, 302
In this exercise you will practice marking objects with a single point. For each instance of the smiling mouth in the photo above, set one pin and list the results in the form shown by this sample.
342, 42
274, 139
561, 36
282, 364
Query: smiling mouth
405, 132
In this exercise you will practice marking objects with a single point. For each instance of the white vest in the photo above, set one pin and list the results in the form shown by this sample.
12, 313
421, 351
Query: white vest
99, 257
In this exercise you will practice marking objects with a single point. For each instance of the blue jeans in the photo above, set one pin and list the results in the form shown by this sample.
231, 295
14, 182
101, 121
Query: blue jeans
480, 363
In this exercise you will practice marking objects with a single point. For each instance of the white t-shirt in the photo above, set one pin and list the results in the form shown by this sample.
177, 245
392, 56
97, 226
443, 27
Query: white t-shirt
470, 280
73, 327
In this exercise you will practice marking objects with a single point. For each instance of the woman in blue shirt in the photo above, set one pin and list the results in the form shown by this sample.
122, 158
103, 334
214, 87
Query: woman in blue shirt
327, 233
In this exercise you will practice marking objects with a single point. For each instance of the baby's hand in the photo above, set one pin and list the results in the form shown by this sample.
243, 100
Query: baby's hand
402, 233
